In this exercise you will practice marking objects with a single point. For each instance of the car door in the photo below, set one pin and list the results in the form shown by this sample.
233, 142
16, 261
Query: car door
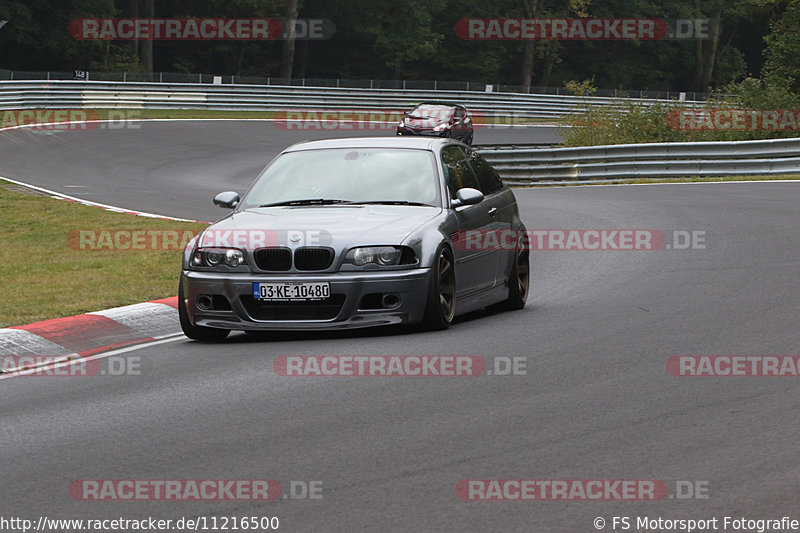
475, 267
500, 203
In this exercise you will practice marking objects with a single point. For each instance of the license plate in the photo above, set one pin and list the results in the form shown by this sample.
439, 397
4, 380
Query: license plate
297, 291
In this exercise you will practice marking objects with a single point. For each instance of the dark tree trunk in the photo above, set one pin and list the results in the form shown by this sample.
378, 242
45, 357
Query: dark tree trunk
530, 8
287, 57
134, 4
147, 44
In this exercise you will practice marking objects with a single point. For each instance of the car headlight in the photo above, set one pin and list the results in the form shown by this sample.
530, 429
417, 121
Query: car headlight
380, 256
217, 257
440, 127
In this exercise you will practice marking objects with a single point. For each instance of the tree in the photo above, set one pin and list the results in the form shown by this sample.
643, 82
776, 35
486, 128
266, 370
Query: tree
405, 32
783, 50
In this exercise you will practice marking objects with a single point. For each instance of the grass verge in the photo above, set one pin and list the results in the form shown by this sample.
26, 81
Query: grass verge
46, 275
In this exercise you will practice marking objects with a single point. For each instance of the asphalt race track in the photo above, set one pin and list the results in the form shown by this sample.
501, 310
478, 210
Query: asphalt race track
164, 164
596, 401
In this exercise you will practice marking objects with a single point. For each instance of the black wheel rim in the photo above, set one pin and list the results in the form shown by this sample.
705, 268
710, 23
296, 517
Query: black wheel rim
447, 286
523, 274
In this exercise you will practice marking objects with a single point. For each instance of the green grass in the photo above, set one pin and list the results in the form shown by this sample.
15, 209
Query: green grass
44, 277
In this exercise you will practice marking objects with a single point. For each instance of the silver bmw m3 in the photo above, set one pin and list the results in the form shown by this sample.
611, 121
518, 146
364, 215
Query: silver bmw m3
352, 233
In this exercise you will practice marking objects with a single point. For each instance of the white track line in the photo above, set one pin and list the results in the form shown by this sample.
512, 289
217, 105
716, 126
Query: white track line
116, 209
38, 369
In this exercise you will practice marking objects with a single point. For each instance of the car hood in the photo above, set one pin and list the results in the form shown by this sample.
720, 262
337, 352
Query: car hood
335, 226
428, 123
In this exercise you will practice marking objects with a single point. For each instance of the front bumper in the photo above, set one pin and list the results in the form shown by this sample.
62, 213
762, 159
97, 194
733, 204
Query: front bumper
350, 288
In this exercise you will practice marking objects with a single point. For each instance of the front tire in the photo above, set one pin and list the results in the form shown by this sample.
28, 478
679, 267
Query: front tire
198, 333
441, 304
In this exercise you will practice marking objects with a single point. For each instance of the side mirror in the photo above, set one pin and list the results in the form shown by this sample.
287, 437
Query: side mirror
467, 196
227, 199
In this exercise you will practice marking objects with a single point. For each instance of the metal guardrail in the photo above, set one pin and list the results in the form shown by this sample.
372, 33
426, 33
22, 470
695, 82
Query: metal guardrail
149, 95
650, 160
424, 85
516, 163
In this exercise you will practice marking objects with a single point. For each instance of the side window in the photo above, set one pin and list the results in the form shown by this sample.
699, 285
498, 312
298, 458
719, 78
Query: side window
488, 178
457, 171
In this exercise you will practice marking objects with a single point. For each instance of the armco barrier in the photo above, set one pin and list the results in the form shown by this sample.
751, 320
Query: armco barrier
519, 164
149, 95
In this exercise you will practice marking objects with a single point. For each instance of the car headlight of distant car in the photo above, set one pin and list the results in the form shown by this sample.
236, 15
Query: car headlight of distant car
380, 256
440, 127
218, 258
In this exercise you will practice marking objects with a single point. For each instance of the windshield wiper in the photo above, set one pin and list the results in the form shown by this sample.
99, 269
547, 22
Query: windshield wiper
309, 201
391, 202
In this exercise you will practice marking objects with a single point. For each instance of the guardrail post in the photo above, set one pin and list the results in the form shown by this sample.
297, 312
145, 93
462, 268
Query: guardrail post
124, 77
161, 77
435, 85
337, 83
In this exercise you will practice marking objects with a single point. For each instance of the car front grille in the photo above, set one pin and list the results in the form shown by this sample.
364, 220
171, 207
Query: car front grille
313, 258
310, 310
275, 259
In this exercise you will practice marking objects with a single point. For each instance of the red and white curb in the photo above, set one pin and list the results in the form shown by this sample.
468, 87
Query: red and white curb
61, 339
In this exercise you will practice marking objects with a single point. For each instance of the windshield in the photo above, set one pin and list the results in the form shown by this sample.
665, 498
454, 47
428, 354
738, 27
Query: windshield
432, 111
348, 175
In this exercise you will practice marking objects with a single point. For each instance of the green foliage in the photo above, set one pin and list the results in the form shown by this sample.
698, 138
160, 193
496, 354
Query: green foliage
415, 39
631, 122
783, 49
581, 88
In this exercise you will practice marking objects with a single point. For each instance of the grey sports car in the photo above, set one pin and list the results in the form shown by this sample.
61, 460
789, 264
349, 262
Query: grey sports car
352, 233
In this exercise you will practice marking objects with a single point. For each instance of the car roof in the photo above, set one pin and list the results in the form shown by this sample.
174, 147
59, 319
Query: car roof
418, 143
435, 102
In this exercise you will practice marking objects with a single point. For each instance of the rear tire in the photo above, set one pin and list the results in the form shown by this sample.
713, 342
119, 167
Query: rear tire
520, 278
198, 333
441, 304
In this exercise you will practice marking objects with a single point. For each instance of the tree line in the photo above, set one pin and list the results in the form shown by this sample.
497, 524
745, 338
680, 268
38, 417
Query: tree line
415, 39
